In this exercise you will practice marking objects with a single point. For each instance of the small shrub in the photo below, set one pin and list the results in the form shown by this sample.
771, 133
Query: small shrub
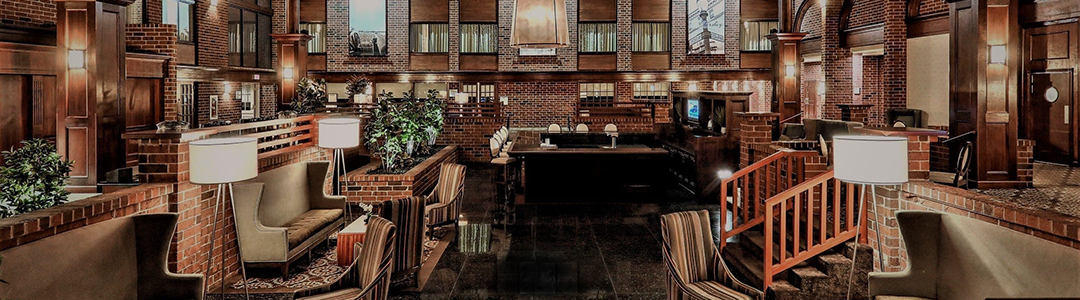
33, 177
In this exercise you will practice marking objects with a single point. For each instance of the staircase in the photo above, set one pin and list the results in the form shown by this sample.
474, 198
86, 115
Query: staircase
805, 228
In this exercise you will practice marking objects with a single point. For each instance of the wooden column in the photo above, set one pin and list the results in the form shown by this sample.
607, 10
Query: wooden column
786, 52
292, 60
983, 94
90, 51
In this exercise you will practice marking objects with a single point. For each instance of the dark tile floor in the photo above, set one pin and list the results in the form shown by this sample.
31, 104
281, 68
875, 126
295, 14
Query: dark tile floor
1056, 189
553, 251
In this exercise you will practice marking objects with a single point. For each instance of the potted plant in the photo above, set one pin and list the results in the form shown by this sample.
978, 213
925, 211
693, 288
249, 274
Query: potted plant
33, 177
400, 129
356, 86
310, 95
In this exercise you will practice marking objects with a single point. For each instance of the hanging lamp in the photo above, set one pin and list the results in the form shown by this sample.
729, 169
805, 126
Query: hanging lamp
539, 24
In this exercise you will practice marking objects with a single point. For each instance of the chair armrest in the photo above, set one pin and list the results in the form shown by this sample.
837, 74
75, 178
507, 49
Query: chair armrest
181, 287
328, 202
734, 282
433, 196
258, 243
896, 284
317, 173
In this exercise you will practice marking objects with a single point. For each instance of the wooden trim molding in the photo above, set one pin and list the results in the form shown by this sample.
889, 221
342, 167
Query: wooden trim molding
27, 59
640, 76
927, 25
864, 35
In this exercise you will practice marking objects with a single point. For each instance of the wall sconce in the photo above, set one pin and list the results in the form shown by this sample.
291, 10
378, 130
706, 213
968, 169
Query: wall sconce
790, 70
287, 73
998, 54
76, 59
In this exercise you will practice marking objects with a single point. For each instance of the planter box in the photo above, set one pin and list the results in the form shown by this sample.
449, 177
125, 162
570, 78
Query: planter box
376, 188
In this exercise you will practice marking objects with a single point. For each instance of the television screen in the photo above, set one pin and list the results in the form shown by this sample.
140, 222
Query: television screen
693, 109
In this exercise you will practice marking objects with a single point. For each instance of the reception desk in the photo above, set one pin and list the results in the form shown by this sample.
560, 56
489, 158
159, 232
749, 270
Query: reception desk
583, 170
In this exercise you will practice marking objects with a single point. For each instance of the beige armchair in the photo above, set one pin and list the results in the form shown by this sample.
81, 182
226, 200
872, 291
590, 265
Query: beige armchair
124, 258
953, 257
369, 275
282, 214
444, 202
408, 215
695, 268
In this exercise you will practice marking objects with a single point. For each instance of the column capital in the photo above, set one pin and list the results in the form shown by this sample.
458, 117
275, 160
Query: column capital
786, 36
291, 37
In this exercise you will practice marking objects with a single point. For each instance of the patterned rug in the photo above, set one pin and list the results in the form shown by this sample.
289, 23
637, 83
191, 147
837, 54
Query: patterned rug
321, 270
1056, 188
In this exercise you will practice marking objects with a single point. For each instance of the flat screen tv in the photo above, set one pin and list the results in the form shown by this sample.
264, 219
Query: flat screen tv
693, 110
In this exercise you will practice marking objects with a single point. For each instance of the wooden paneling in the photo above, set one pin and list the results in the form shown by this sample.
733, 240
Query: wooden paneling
185, 54
44, 93
597, 11
758, 10
111, 66
231, 74
316, 62
864, 36
812, 45
478, 62
928, 25
645, 61
597, 62
429, 62
478, 11
146, 65
35, 36
1051, 58
15, 110
312, 10
1048, 10
652, 10
429, 11
637, 76
27, 59
755, 60
143, 103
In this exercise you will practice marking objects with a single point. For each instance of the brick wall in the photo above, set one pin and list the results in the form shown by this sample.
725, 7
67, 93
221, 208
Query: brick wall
811, 22
471, 134
871, 89
538, 104
932, 6
32, 13
811, 74
926, 196
865, 12
1025, 161
756, 129
159, 39
894, 63
337, 39
836, 63
376, 188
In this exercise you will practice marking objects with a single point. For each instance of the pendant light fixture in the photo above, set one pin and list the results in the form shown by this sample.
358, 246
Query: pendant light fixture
539, 24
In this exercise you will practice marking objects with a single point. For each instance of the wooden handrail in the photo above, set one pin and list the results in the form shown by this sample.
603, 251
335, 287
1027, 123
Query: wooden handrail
797, 222
747, 189
473, 110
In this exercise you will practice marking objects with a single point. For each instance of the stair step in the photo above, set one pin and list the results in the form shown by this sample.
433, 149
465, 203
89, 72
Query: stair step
834, 264
806, 278
757, 245
749, 266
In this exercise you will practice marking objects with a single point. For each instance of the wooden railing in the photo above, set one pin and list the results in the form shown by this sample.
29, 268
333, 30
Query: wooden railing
620, 110
275, 136
744, 192
473, 110
809, 219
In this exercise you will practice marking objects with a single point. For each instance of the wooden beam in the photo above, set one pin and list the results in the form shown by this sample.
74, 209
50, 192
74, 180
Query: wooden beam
933, 24
547, 76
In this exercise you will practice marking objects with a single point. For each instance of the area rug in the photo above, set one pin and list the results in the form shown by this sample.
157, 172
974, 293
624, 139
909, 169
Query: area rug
321, 270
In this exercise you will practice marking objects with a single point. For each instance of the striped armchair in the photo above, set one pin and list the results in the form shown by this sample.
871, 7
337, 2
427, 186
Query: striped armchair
444, 202
370, 270
695, 268
408, 215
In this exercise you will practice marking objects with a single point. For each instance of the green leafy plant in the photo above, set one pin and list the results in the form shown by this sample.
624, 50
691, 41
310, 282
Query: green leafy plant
33, 177
310, 95
356, 85
401, 129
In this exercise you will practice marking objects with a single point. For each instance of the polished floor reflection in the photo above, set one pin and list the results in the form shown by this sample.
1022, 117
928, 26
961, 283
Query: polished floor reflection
553, 251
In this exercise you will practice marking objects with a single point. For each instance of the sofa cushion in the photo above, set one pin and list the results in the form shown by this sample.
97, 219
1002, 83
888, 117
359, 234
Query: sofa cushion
793, 131
303, 226
883, 297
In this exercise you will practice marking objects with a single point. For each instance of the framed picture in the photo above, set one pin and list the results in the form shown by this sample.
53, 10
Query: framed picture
213, 107
367, 28
705, 26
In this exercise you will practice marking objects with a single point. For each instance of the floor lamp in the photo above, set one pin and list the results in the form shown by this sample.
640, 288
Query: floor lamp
339, 134
869, 160
222, 161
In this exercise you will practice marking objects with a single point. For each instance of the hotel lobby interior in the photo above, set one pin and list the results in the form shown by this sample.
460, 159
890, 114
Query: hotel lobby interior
539, 149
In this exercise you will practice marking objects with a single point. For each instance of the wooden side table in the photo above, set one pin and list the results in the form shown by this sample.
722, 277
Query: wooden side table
352, 234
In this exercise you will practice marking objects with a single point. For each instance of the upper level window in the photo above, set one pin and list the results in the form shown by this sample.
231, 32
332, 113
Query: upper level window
652, 37
249, 39
479, 38
753, 35
180, 13
651, 90
597, 94
429, 38
597, 37
705, 26
317, 31
479, 92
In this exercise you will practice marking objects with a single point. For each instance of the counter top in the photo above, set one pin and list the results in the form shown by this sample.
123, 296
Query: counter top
934, 134
526, 149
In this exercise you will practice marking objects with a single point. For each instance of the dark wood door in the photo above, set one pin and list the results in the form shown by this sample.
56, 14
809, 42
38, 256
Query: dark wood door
1050, 106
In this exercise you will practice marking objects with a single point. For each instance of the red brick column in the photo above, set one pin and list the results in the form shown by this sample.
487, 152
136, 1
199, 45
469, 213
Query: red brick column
1025, 159
855, 112
894, 63
919, 157
754, 128
835, 62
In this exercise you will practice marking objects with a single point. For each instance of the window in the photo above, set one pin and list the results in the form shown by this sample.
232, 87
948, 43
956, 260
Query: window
179, 13
249, 32
597, 37
536, 51
597, 94
705, 26
753, 35
651, 91
479, 92
185, 104
317, 31
652, 37
479, 38
429, 38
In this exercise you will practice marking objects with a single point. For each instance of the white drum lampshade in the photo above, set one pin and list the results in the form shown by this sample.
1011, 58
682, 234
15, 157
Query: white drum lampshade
539, 24
339, 133
868, 159
223, 160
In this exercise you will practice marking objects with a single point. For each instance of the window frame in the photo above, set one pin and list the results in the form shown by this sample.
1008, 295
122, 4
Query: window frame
743, 35
413, 45
596, 99
191, 19
461, 37
633, 37
614, 46
316, 37
659, 95
242, 37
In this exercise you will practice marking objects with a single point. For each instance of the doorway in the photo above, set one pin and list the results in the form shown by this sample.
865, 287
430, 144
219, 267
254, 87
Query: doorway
249, 100
1049, 92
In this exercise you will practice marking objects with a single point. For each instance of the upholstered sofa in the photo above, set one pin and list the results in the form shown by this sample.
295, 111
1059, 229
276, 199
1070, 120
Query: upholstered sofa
124, 258
953, 257
283, 213
809, 129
